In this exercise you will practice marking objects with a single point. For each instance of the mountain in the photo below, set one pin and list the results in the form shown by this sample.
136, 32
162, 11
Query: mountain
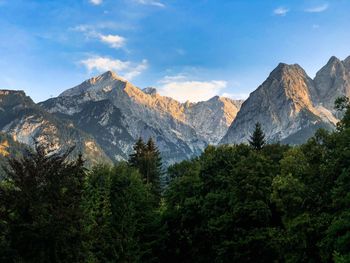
287, 105
212, 118
331, 82
9, 148
105, 115
116, 113
26, 122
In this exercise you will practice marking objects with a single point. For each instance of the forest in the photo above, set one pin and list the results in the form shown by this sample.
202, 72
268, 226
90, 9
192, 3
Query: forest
255, 202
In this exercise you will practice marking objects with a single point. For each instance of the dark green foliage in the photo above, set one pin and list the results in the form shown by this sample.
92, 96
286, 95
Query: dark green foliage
146, 158
120, 217
223, 211
40, 212
257, 140
242, 203
343, 104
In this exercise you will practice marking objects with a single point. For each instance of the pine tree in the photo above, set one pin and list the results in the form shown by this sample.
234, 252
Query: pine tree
146, 158
257, 140
154, 171
135, 159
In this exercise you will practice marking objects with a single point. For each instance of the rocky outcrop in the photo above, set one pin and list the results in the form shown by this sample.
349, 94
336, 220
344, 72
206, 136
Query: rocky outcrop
331, 82
29, 124
116, 114
212, 118
284, 105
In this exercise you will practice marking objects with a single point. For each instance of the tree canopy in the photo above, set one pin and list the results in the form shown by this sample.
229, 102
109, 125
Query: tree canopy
233, 203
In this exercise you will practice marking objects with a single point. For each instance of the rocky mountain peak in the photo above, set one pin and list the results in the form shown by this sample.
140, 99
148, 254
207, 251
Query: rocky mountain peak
333, 60
110, 75
287, 83
102, 83
282, 70
346, 62
12, 92
279, 102
332, 81
12, 98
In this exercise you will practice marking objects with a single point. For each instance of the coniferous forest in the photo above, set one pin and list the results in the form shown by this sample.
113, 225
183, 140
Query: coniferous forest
258, 202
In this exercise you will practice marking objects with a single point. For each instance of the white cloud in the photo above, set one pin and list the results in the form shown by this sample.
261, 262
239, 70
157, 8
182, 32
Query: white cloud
236, 96
281, 11
317, 9
150, 2
113, 41
179, 88
168, 79
106, 25
96, 2
127, 69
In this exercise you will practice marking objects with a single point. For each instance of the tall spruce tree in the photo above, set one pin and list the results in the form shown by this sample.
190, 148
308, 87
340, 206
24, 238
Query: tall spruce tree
146, 158
154, 167
136, 158
257, 140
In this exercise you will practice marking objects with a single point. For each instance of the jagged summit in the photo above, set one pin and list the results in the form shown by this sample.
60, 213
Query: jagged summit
287, 69
104, 82
332, 81
347, 62
333, 60
5, 92
110, 75
283, 104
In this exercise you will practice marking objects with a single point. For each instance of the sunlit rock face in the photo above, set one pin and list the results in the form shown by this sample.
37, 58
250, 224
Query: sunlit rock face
331, 82
212, 118
291, 106
116, 113
29, 124
105, 115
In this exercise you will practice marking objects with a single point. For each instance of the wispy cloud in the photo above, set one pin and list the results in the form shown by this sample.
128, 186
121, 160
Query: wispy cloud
114, 41
281, 11
317, 9
96, 2
150, 2
126, 69
182, 89
105, 25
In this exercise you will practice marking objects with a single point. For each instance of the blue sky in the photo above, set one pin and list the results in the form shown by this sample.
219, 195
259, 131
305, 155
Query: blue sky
188, 49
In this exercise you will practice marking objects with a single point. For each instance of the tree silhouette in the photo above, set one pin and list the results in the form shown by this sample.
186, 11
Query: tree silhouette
257, 140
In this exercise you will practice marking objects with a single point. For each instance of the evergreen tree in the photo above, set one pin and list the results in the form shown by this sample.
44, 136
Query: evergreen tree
257, 140
40, 208
120, 216
136, 158
146, 158
154, 171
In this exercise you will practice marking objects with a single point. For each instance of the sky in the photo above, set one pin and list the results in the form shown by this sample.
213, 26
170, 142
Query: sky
187, 49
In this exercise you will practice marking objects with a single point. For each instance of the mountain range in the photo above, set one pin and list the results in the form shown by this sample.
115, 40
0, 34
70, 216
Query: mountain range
105, 115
